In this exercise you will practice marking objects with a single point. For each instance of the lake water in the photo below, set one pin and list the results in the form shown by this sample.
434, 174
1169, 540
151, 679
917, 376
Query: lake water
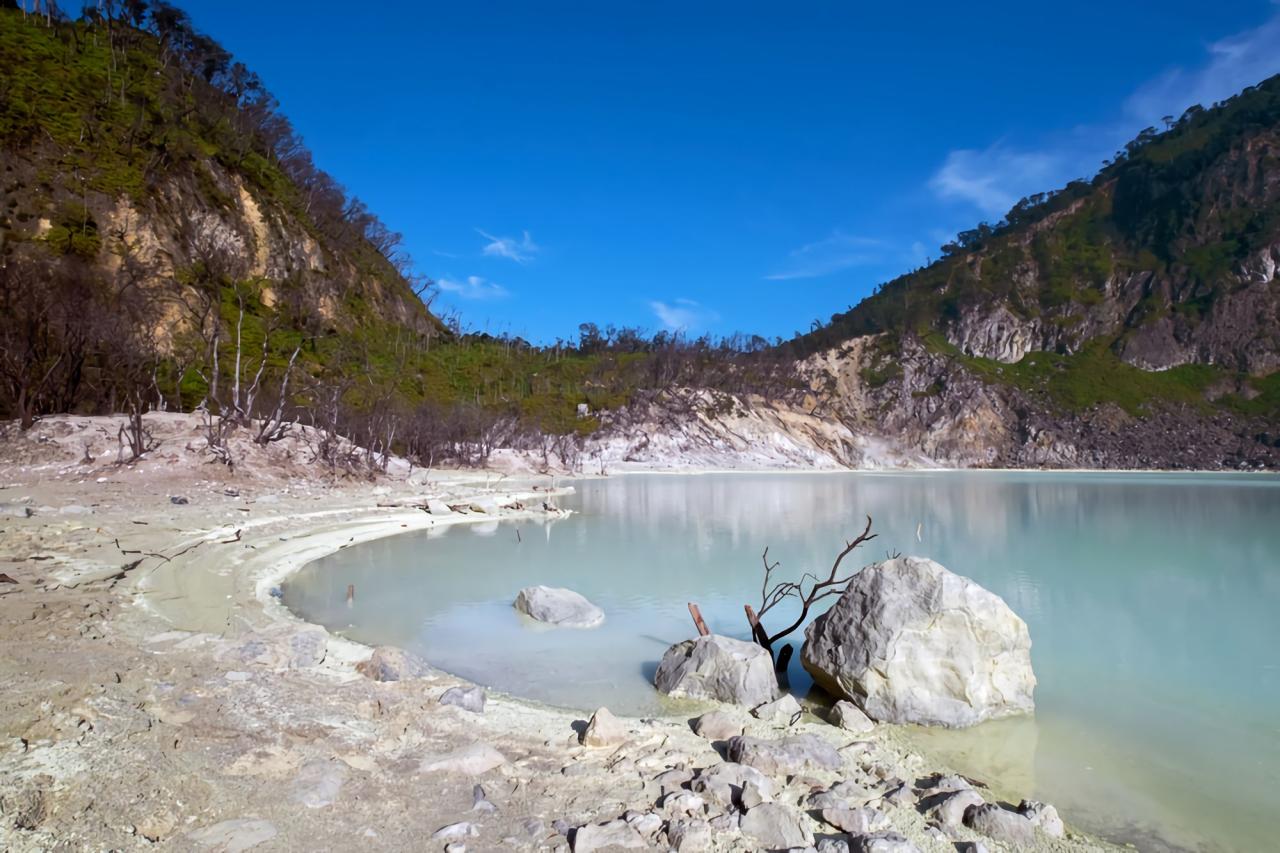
1153, 602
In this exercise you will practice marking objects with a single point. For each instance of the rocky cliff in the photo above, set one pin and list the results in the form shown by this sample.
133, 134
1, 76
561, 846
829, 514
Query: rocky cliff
1128, 321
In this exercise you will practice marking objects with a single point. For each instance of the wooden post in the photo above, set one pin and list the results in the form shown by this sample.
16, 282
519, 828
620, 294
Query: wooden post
758, 632
697, 620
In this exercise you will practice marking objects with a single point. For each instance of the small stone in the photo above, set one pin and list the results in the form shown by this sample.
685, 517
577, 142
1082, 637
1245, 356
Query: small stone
727, 784
685, 803
463, 829
480, 802
604, 729
783, 710
850, 717
777, 826
387, 663
672, 780
615, 833
883, 842
717, 725
689, 836
949, 808
787, 755
455, 847
727, 822
645, 823
1001, 825
832, 844
467, 698
1044, 816
859, 821
178, 500
900, 796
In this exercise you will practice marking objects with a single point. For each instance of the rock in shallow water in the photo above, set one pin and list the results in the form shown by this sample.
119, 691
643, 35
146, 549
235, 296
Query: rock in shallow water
720, 669
1001, 825
910, 642
563, 608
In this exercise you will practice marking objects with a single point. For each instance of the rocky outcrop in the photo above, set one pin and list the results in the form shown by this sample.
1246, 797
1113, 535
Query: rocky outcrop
563, 608
720, 669
910, 642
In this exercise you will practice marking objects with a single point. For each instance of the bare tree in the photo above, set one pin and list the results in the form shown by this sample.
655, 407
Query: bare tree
816, 590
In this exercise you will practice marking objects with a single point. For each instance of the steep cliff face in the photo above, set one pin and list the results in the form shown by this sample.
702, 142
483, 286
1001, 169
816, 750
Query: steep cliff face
145, 149
1130, 321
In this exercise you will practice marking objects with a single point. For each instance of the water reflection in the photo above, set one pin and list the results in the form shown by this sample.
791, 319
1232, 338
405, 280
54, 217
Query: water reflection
1150, 600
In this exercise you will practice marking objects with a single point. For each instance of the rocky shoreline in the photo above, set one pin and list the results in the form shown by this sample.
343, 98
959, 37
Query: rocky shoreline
158, 697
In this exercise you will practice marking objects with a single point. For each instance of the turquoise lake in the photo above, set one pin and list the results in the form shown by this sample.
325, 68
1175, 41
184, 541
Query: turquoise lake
1153, 602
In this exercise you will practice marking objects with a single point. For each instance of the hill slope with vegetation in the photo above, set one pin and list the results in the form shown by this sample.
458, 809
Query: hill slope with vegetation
167, 242
1145, 296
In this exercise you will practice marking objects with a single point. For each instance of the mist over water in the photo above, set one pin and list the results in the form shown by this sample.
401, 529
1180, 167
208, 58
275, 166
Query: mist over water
1152, 601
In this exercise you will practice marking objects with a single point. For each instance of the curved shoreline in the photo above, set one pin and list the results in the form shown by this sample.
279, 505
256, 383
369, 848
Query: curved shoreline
248, 717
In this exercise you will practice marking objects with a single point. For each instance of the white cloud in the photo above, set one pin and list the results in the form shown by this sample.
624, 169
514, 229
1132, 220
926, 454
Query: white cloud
994, 178
682, 315
828, 255
521, 250
472, 287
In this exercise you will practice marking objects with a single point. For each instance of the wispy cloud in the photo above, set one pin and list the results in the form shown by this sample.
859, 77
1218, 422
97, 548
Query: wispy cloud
1235, 62
519, 250
992, 179
472, 287
995, 177
682, 315
828, 255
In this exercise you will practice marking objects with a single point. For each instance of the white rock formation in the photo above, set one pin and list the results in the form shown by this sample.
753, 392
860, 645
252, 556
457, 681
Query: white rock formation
556, 606
718, 668
910, 642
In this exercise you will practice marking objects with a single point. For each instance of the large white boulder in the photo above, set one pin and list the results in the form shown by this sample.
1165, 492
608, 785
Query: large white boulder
910, 642
718, 668
557, 606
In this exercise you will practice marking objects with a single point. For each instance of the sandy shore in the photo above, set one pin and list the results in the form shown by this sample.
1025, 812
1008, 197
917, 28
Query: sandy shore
157, 696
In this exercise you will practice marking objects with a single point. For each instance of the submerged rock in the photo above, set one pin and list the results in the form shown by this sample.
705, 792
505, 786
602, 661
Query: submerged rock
556, 606
718, 668
910, 642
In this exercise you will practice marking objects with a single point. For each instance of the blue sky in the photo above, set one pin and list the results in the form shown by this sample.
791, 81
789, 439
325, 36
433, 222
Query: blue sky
711, 166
